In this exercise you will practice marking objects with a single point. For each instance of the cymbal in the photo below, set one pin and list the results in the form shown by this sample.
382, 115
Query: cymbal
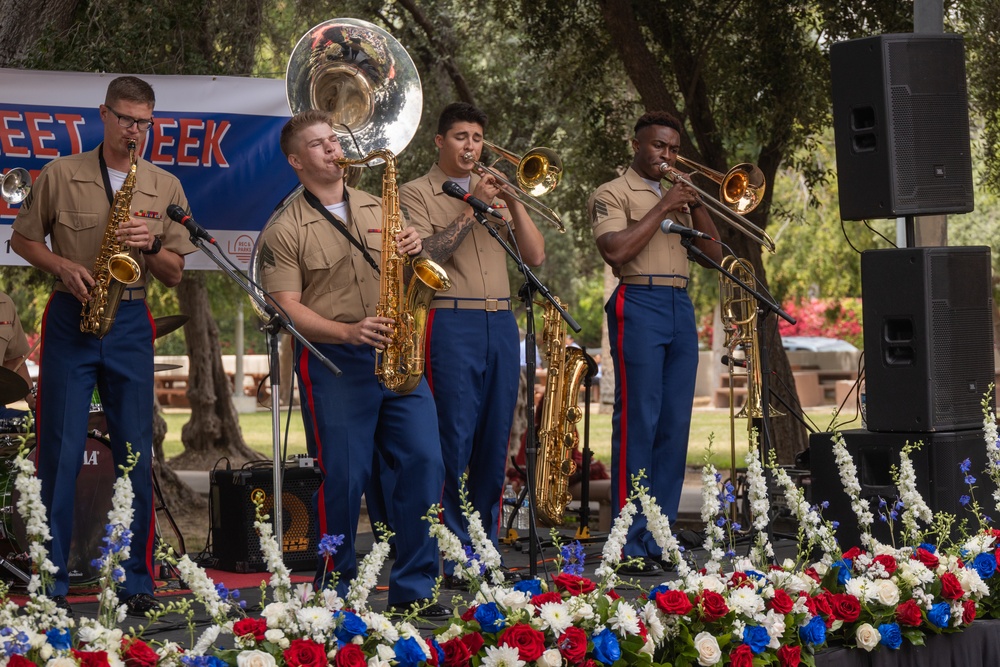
165, 367
169, 324
13, 387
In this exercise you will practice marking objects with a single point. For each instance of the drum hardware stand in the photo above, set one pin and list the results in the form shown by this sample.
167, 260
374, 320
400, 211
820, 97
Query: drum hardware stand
531, 285
275, 323
15, 570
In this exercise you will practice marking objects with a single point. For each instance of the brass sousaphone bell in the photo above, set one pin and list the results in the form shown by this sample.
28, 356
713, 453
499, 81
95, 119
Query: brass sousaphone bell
15, 185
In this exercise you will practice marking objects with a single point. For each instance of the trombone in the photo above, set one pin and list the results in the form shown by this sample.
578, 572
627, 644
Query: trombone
15, 185
741, 189
538, 172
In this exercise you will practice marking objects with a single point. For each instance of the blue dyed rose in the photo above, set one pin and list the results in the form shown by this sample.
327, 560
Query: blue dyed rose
662, 588
436, 650
490, 618
940, 614
59, 639
606, 648
408, 652
529, 586
985, 565
349, 626
927, 546
892, 637
844, 573
202, 661
813, 632
756, 637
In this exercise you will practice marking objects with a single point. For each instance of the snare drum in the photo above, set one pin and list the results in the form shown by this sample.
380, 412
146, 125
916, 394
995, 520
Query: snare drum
93, 502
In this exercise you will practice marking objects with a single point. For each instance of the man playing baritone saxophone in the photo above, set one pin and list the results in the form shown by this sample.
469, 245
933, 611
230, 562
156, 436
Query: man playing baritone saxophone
472, 337
651, 325
327, 280
71, 203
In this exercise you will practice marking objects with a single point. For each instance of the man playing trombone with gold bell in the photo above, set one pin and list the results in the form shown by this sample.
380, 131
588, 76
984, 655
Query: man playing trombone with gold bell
651, 324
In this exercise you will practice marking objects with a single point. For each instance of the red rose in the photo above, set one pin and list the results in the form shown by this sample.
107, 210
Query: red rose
741, 656
470, 613
591, 663
927, 558
643, 632
812, 574
542, 598
852, 553
350, 655
887, 562
713, 606
530, 643
845, 607
19, 661
908, 613
674, 602
737, 579
781, 602
789, 656
613, 594
572, 584
968, 611
474, 641
456, 653
137, 653
820, 606
573, 645
951, 588
305, 653
91, 658
250, 626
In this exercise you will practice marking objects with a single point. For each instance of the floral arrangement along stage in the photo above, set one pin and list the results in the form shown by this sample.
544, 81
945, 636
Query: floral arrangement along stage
727, 610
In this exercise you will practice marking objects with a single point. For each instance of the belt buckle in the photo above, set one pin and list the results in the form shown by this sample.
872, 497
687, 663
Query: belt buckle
492, 305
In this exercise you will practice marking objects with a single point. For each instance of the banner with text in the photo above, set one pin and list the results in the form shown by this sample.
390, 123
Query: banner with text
218, 135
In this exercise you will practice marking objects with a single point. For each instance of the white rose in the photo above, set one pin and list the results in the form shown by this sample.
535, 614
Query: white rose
708, 649
255, 659
45, 652
274, 635
887, 592
551, 658
867, 636
61, 661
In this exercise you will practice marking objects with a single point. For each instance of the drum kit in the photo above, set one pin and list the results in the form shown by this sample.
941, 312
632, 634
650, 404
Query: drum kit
93, 486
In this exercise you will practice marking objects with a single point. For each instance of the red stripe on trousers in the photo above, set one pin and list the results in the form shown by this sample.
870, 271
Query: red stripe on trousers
307, 392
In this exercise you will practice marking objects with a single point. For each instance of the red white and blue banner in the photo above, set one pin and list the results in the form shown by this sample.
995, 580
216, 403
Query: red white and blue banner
218, 135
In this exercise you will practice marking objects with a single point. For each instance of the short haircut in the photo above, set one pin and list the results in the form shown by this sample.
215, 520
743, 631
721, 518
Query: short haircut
299, 122
657, 118
129, 89
460, 112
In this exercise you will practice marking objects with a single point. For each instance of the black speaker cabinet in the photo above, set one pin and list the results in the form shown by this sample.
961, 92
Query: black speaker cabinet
901, 124
939, 478
928, 329
235, 543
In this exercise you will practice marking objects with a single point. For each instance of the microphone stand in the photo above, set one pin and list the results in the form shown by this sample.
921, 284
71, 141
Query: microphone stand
765, 306
275, 323
531, 285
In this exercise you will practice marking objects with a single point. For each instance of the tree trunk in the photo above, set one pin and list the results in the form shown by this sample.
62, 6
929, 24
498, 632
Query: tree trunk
25, 21
214, 430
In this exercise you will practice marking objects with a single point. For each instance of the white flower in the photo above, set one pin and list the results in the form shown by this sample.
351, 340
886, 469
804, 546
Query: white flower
653, 619
867, 637
861, 588
746, 601
314, 620
972, 583
775, 624
61, 661
887, 593
255, 658
625, 620
551, 658
277, 614
580, 608
708, 649
502, 656
555, 617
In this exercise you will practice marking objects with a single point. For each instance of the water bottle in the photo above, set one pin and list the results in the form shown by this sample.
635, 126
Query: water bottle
509, 504
524, 515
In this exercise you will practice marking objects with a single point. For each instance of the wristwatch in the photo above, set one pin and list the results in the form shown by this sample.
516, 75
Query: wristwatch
157, 244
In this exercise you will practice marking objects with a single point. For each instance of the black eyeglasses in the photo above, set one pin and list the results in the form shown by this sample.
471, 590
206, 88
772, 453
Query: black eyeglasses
127, 121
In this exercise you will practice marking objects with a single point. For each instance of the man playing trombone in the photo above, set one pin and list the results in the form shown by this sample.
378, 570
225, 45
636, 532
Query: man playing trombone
471, 339
651, 324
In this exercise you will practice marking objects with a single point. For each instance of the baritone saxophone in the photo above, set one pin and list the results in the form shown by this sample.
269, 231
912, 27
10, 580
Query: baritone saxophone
557, 433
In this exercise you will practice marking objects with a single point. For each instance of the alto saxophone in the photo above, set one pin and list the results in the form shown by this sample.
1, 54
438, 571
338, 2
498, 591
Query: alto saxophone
114, 267
557, 435
401, 364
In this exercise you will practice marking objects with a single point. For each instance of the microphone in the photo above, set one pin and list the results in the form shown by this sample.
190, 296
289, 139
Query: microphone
453, 189
177, 214
668, 226
741, 363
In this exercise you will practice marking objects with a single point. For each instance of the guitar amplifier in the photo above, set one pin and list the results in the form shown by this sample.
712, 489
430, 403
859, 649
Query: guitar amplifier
235, 543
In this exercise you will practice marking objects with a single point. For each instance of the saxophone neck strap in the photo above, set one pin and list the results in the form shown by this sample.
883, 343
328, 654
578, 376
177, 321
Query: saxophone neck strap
104, 174
313, 201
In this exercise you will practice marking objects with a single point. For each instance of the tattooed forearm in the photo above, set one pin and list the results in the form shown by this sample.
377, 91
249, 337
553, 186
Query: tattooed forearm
442, 245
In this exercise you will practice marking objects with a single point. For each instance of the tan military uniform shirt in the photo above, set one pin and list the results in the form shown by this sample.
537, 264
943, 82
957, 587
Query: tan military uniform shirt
622, 202
478, 269
69, 204
13, 343
301, 251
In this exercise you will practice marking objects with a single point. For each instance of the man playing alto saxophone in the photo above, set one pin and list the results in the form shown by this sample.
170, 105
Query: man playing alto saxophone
70, 203
320, 261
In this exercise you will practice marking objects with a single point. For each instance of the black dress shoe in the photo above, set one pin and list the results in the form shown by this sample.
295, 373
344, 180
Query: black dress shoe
643, 566
427, 609
451, 582
142, 603
63, 603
